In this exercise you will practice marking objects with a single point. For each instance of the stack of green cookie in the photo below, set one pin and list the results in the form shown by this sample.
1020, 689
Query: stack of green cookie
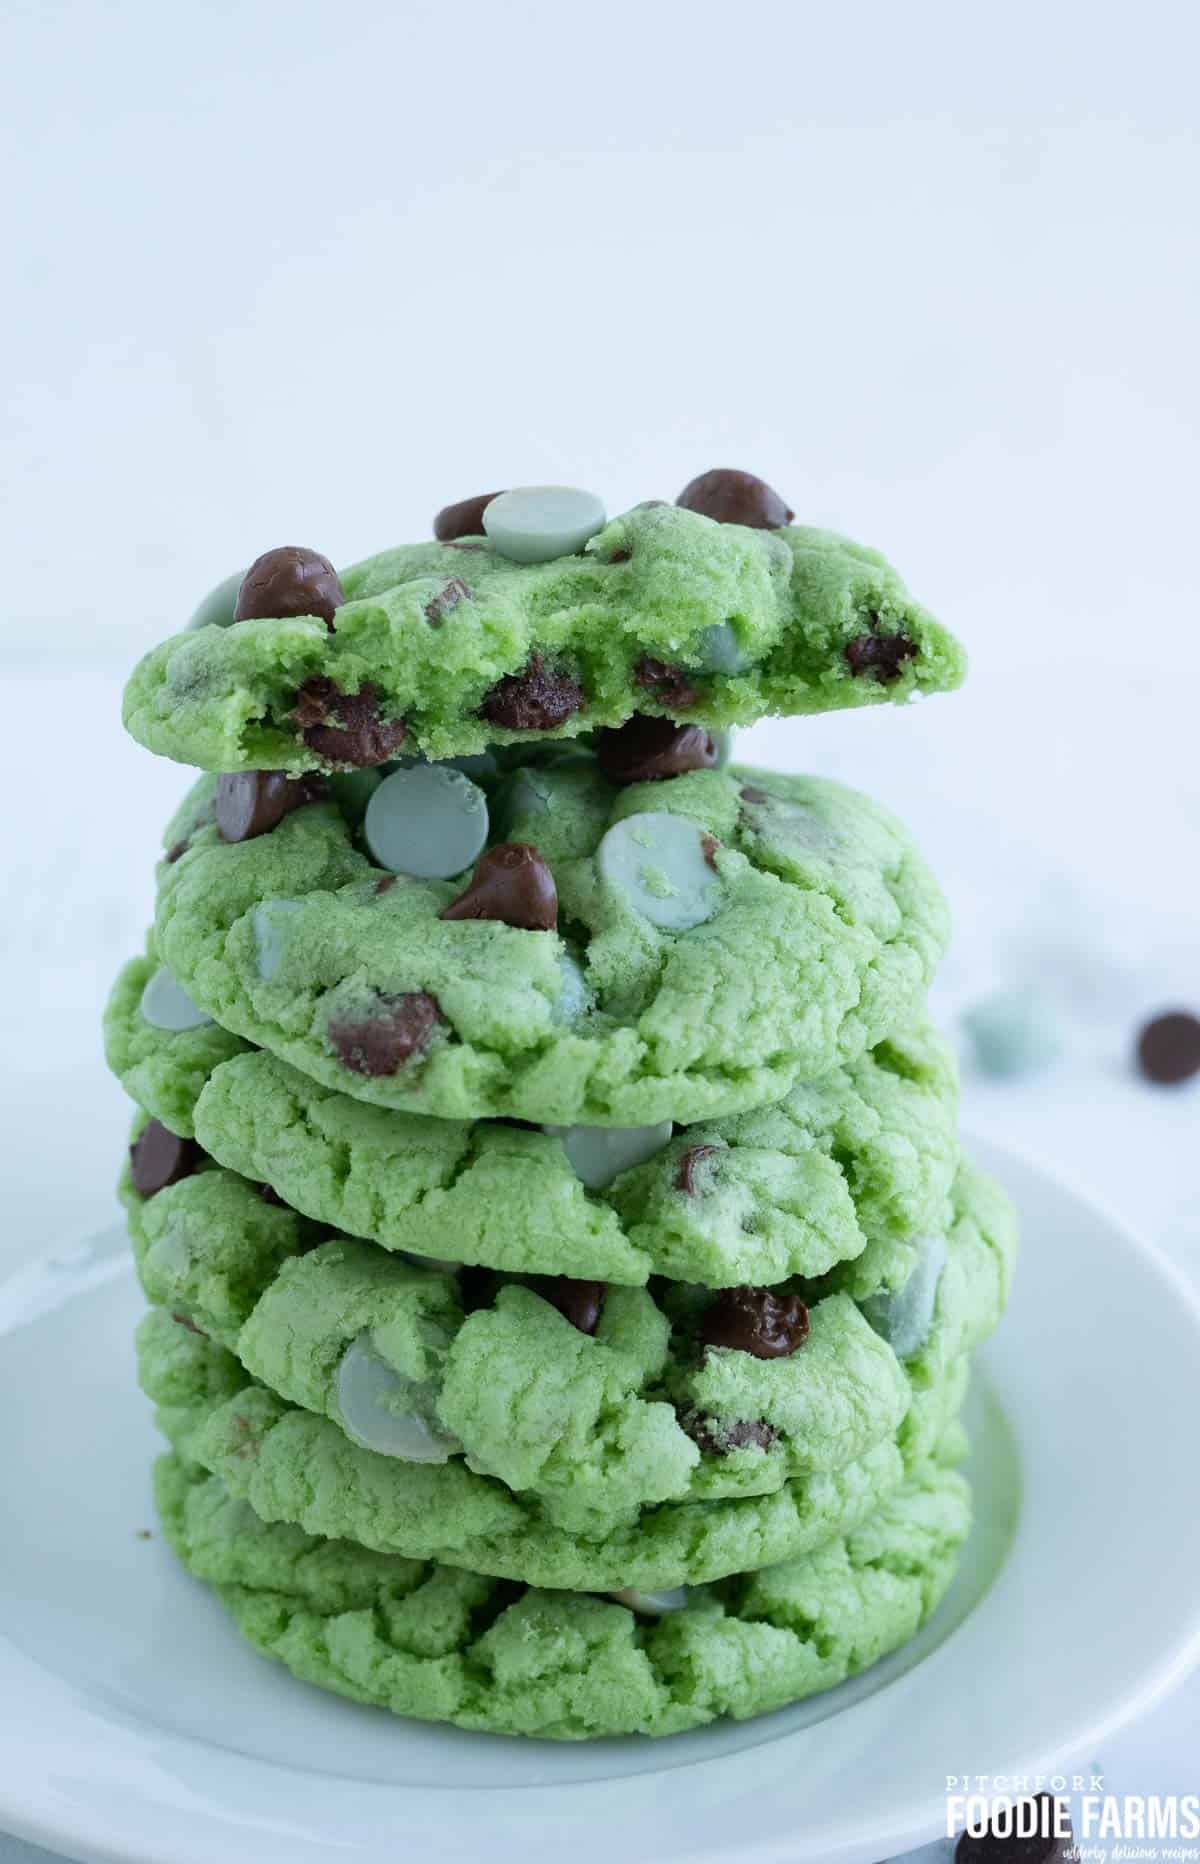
563, 1268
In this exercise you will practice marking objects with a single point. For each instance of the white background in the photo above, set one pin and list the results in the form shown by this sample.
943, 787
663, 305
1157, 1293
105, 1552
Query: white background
303, 273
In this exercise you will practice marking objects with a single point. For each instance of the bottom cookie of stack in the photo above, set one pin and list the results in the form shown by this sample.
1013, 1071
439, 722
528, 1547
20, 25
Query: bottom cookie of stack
444, 1644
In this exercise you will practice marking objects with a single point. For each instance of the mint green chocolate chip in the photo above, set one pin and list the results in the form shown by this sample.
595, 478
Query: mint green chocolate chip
574, 997
721, 651
217, 608
536, 523
660, 862
381, 1410
271, 932
528, 792
723, 745
165, 1004
429, 821
653, 1604
598, 1154
1012, 1033
903, 1319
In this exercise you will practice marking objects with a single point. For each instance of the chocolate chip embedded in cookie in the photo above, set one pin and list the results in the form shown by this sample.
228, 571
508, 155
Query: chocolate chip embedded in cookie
714, 1438
879, 656
346, 728
289, 582
1168, 1049
253, 802
649, 750
756, 1320
448, 597
381, 1039
158, 1157
690, 1166
512, 884
537, 699
670, 685
732, 497
464, 519
580, 1302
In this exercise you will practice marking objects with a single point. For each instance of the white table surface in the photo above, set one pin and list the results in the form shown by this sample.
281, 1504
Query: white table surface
1071, 871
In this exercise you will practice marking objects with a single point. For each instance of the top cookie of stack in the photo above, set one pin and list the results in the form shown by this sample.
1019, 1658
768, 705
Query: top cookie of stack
645, 935
530, 616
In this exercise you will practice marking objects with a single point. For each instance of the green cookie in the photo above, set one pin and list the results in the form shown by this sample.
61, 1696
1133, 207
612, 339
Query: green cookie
453, 647
162, 1069
295, 1467
820, 928
445, 1644
595, 1427
858, 1161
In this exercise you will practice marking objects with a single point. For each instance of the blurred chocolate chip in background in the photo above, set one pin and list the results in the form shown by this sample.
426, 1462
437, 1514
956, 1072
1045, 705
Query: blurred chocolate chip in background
1168, 1048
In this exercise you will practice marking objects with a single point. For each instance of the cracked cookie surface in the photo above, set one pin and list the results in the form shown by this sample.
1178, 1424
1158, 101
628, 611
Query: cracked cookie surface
588, 1434
445, 1644
857, 1164
805, 930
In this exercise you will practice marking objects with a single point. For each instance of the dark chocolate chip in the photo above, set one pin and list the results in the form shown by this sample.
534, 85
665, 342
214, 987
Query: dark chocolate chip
270, 1195
879, 656
253, 802
689, 1164
648, 750
620, 556
671, 686
185, 1321
476, 1287
580, 1302
175, 850
733, 497
290, 581
159, 1157
1168, 1049
384, 1037
448, 596
511, 883
462, 520
717, 1439
709, 845
537, 699
756, 1320
346, 728
751, 795
1044, 1846
386, 884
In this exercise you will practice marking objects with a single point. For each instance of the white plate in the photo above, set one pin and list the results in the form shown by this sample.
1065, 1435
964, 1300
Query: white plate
136, 1725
